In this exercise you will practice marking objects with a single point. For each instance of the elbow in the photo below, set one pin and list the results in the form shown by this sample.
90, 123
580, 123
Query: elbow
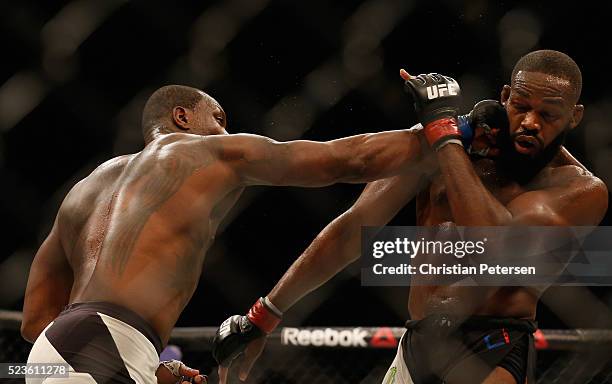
362, 166
370, 163
346, 232
31, 329
502, 220
28, 332
347, 161
354, 171
360, 170
362, 159
373, 161
383, 155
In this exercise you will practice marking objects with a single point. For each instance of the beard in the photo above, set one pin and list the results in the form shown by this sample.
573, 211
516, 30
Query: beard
520, 167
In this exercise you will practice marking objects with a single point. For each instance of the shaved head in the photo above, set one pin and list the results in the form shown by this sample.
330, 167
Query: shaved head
158, 109
552, 63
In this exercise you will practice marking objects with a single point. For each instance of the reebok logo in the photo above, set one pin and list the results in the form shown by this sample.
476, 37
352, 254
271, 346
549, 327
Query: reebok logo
328, 337
383, 338
435, 91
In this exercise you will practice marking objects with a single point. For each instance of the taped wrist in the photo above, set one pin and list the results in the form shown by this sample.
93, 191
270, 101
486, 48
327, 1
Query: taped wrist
174, 366
264, 317
442, 130
272, 307
466, 130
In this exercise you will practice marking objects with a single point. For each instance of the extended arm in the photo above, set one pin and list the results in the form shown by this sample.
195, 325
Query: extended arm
355, 159
339, 243
333, 249
48, 289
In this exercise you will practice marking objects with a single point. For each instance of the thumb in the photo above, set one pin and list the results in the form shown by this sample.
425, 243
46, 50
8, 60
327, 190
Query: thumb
251, 354
405, 75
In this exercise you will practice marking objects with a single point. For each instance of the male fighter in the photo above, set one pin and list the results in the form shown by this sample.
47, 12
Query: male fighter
128, 243
519, 175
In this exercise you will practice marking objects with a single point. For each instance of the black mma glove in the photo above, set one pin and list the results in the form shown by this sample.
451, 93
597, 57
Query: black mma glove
487, 115
237, 331
436, 101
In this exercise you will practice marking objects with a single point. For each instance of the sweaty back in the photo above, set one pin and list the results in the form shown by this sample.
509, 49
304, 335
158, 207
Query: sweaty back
135, 231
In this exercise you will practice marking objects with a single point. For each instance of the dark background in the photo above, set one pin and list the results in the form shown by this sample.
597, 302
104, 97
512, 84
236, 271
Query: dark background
74, 76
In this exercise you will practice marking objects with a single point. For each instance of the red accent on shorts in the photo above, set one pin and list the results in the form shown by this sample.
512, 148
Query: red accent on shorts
506, 336
262, 317
441, 128
540, 340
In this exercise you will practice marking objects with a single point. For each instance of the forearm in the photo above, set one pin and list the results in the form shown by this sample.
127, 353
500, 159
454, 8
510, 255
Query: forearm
339, 243
380, 155
334, 248
470, 202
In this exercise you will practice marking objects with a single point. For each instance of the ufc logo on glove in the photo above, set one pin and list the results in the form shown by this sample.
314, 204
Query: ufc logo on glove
435, 91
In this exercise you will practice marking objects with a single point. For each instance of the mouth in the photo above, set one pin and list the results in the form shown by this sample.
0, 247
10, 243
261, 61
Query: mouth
526, 145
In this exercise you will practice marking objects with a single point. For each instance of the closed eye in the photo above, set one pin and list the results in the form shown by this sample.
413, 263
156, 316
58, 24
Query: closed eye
520, 107
549, 116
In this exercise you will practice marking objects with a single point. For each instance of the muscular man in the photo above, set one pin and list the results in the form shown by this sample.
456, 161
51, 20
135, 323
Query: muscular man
128, 243
519, 175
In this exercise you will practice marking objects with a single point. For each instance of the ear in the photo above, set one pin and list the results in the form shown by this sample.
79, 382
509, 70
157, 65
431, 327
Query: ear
577, 114
505, 94
181, 118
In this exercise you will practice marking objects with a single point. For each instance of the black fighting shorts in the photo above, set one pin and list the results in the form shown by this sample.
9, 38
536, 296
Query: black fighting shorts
102, 343
445, 349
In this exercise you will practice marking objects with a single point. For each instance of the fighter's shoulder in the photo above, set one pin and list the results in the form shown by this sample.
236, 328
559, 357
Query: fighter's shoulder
173, 141
101, 173
237, 139
176, 148
107, 169
116, 164
576, 176
240, 146
85, 191
215, 144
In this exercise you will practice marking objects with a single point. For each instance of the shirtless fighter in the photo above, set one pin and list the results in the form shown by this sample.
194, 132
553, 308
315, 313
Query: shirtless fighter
516, 172
127, 247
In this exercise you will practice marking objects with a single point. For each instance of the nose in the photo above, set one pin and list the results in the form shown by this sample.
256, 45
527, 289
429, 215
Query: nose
531, 122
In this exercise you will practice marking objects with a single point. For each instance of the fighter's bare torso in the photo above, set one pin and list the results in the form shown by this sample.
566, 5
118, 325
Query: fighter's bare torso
136, 232
433, 209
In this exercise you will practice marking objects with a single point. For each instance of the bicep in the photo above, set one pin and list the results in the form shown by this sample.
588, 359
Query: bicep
300, 163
